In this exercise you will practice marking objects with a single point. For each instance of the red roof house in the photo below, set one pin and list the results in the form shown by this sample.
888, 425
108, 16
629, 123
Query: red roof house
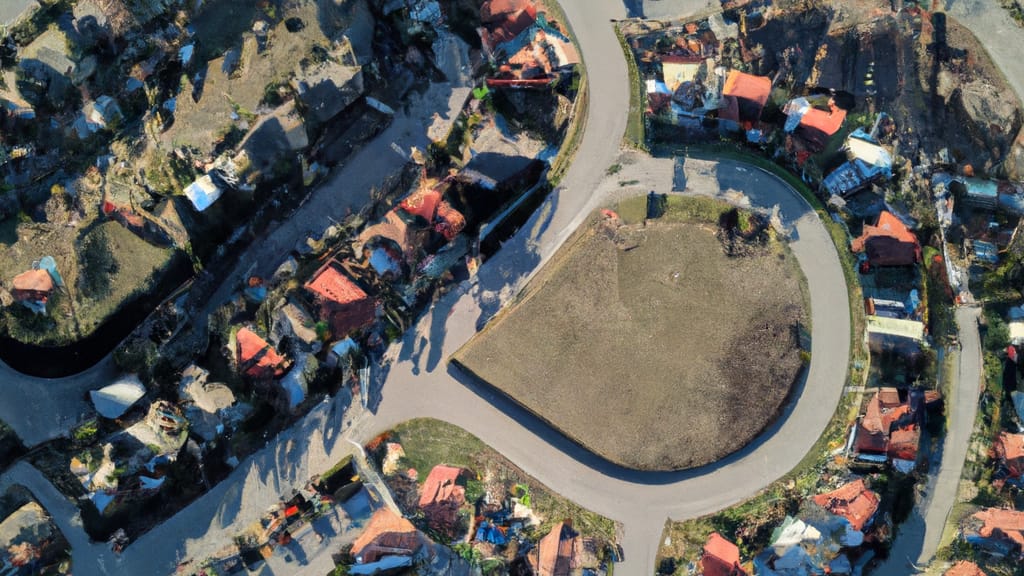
442, 496
965, 568
343, 304
721, 557
33, 285
503, 20
888, 427
422, 203
816, 125
852, 501
1009, 448
256, 358
386, 534
557, 554
744, 96
1005, 525
888, 243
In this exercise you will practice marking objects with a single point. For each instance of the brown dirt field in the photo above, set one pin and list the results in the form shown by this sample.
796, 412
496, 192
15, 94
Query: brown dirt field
650, 346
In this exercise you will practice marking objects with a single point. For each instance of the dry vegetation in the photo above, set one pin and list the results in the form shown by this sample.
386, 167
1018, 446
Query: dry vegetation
649, 345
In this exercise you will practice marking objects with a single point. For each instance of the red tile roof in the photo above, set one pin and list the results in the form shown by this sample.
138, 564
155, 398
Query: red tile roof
1010, 449
903, 443
965, 568
748, 87
889, 242
333, 286
33, 281
256, 358
826, 121
558, 551
386, 534
449, 221
852, 501
440, 486
502, 27
1008, 524
422, 203
883, 411
721, 557
496, 10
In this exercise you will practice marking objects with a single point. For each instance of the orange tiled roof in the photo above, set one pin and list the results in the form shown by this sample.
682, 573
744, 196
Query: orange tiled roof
721, 557
747, 86
1009, 523
880, 416
422, 203
256, 357
492, 10
827, 121
33, 280
386, 534
441, 486
965, 568
888, 226
557, 552
903, 443
852, 501
1010, 449
449, 221
333, 286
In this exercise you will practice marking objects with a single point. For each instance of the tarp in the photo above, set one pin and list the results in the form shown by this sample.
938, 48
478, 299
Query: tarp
114, 400
203, 192
910, 329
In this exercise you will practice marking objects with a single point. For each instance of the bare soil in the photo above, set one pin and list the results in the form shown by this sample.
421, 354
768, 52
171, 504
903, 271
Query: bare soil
650, 346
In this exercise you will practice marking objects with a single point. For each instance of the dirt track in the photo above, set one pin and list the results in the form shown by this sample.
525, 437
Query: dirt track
651, 346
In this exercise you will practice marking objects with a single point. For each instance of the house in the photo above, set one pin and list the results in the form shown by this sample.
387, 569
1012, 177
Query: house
743, 98
720, 558
114, 400
679, 69
33, 286
203, 192
867, 163
888, 243
813, 125
965, 568
853, 501
504, 20
1009, 449
537, 56
429, 205
888, 432
442, 496
997, 531
343, 304
386, 534
557, 554
256, 358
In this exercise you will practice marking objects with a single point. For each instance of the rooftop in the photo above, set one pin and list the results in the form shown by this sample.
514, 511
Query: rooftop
331, 285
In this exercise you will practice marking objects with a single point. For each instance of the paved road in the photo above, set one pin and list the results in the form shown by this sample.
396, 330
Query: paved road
919, 536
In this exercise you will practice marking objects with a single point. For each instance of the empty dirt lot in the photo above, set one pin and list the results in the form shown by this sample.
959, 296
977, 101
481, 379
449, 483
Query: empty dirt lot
649, 345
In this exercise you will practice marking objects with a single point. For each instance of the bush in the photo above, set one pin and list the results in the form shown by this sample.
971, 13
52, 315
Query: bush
98, 265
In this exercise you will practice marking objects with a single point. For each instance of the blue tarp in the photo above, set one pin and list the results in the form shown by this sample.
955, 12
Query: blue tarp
488, 532
50, 265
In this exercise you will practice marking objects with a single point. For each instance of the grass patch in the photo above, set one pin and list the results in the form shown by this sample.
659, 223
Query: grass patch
428, 442
629, 298
634, 136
